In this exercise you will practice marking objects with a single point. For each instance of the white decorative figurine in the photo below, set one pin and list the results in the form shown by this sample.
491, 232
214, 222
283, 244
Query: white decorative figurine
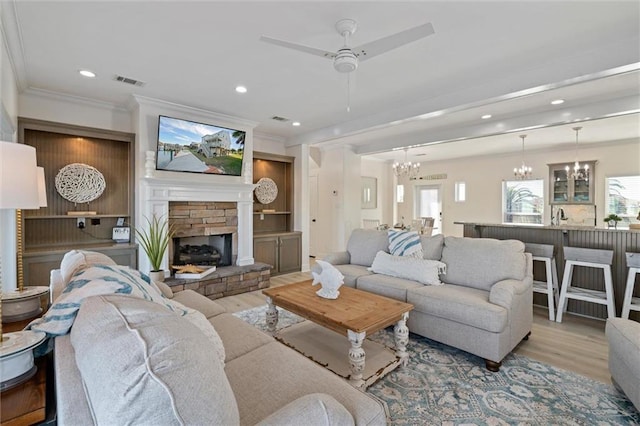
329, 278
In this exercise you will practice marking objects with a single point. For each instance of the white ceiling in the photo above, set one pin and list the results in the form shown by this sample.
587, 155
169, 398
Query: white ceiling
506, 58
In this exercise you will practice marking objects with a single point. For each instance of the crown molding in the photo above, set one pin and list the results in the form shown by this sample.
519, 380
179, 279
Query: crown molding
12, 39
138, 100
65, 97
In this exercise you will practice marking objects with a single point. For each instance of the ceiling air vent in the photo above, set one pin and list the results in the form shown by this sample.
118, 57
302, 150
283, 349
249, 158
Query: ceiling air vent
128, 80
277, 118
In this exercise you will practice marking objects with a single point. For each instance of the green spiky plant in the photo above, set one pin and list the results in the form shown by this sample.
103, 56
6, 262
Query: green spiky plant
155, 240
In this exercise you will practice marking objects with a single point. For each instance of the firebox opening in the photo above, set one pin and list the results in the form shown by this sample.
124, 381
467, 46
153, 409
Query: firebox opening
210, 250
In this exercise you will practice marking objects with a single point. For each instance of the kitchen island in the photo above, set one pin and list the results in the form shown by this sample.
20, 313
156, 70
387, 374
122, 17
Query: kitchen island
620, 241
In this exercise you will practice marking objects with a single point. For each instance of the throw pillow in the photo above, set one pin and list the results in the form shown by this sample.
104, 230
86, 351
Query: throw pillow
75, 260
424, 271
404, 243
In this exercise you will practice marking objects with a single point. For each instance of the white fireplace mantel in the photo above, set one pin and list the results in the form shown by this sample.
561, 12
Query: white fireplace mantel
157, 192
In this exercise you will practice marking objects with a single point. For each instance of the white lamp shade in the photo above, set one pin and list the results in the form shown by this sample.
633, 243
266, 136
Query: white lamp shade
42, 187
18, 181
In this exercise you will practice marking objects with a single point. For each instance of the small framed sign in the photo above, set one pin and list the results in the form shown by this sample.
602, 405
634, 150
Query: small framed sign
121, 234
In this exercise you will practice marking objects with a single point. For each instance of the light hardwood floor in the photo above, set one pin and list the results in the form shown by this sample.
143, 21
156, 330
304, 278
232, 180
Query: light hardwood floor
577, 344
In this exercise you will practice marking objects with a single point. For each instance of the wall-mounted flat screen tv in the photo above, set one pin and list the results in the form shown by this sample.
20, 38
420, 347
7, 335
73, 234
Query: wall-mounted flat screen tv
187, 146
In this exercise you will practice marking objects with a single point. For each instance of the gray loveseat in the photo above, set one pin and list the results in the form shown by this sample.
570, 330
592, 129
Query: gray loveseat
484, 306
132, 361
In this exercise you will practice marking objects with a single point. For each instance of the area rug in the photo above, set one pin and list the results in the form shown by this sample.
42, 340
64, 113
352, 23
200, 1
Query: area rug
445, 386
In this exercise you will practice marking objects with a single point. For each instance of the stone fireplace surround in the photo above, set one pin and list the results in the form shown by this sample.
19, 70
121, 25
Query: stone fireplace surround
246, 275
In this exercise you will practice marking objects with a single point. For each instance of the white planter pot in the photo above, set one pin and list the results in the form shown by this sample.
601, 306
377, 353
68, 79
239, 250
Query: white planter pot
157, 275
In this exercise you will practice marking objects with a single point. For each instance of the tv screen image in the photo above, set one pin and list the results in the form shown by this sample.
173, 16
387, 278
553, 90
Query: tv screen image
188, 146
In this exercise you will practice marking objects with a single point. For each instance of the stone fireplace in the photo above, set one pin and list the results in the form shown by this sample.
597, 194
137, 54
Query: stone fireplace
202, 209
206, 233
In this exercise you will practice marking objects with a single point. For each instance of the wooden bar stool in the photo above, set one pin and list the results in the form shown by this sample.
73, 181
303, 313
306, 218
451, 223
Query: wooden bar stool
590, 258
546, 253
630, 302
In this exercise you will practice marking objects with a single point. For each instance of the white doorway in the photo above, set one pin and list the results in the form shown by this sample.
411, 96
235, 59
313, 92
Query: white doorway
313, 215
428, 203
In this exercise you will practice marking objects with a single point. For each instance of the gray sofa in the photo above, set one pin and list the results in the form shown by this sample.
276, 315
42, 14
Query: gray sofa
624, 356
484, 306
132, 361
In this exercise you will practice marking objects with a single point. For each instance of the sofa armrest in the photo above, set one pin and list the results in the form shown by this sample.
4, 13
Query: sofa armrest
312, 409
338, 258
504, 293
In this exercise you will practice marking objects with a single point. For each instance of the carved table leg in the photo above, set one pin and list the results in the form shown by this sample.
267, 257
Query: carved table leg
401, 336
356, 357
271, 316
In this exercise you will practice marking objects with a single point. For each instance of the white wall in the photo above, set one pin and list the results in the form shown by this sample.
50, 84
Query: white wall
42, 105
484, 175
301, 214
8, 123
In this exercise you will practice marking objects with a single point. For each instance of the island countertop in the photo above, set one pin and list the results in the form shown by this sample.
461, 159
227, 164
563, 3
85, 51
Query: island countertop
621, 241
553, 227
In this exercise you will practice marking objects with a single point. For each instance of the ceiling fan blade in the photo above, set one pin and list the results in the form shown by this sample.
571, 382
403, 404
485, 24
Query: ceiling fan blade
385, 44
299, 47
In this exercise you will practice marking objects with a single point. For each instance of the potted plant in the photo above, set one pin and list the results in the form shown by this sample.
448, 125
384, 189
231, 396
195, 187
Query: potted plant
612, 220
154, 241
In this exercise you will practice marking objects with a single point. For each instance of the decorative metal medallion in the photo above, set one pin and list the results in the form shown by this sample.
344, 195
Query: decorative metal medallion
80, 183
266, 191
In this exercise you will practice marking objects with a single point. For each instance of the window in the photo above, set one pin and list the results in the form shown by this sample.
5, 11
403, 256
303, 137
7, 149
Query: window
623, 198
523, 201
460, 192
400, 194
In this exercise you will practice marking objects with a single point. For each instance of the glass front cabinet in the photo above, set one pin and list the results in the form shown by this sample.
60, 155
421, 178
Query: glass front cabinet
567, 187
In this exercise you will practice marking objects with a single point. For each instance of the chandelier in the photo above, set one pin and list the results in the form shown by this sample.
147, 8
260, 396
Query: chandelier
524, 171
577, 171
407, 168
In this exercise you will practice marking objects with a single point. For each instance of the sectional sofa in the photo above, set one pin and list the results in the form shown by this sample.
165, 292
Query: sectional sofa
481, 304
130, 360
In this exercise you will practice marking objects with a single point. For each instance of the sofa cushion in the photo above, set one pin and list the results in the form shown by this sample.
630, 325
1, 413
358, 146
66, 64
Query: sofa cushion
142, 364
115, 279
404, 243
285, 375
481, 262
75, 260
352, 273
464, 305
313, 409
384, 285
164, 289
432, 246
424, 271
237, 336
196, 301
363, 245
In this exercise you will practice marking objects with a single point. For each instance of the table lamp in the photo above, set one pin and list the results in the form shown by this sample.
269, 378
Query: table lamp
18, 190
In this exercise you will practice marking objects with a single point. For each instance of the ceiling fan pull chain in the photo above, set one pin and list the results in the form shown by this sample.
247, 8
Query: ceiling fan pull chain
348, 93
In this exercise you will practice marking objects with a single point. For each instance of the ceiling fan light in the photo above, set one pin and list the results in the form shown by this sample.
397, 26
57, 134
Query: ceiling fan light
345, 61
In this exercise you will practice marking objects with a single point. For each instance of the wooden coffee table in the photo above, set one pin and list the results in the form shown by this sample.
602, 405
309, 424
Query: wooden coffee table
354, 314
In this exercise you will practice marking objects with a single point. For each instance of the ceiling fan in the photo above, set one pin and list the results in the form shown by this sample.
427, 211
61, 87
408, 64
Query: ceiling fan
346, 59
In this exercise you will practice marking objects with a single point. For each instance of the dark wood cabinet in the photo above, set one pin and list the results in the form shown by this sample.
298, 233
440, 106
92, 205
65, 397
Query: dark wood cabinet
274, 240
282, 251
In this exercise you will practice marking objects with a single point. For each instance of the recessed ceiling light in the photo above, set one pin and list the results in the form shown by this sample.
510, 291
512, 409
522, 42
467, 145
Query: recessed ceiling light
295, 123
486, 116
87, 73
241, 89
557, 102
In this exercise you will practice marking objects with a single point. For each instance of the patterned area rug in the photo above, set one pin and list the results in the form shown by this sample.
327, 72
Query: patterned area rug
445, 386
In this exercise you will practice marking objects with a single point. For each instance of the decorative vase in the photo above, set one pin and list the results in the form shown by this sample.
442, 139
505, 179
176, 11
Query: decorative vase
157, 275
613, 224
